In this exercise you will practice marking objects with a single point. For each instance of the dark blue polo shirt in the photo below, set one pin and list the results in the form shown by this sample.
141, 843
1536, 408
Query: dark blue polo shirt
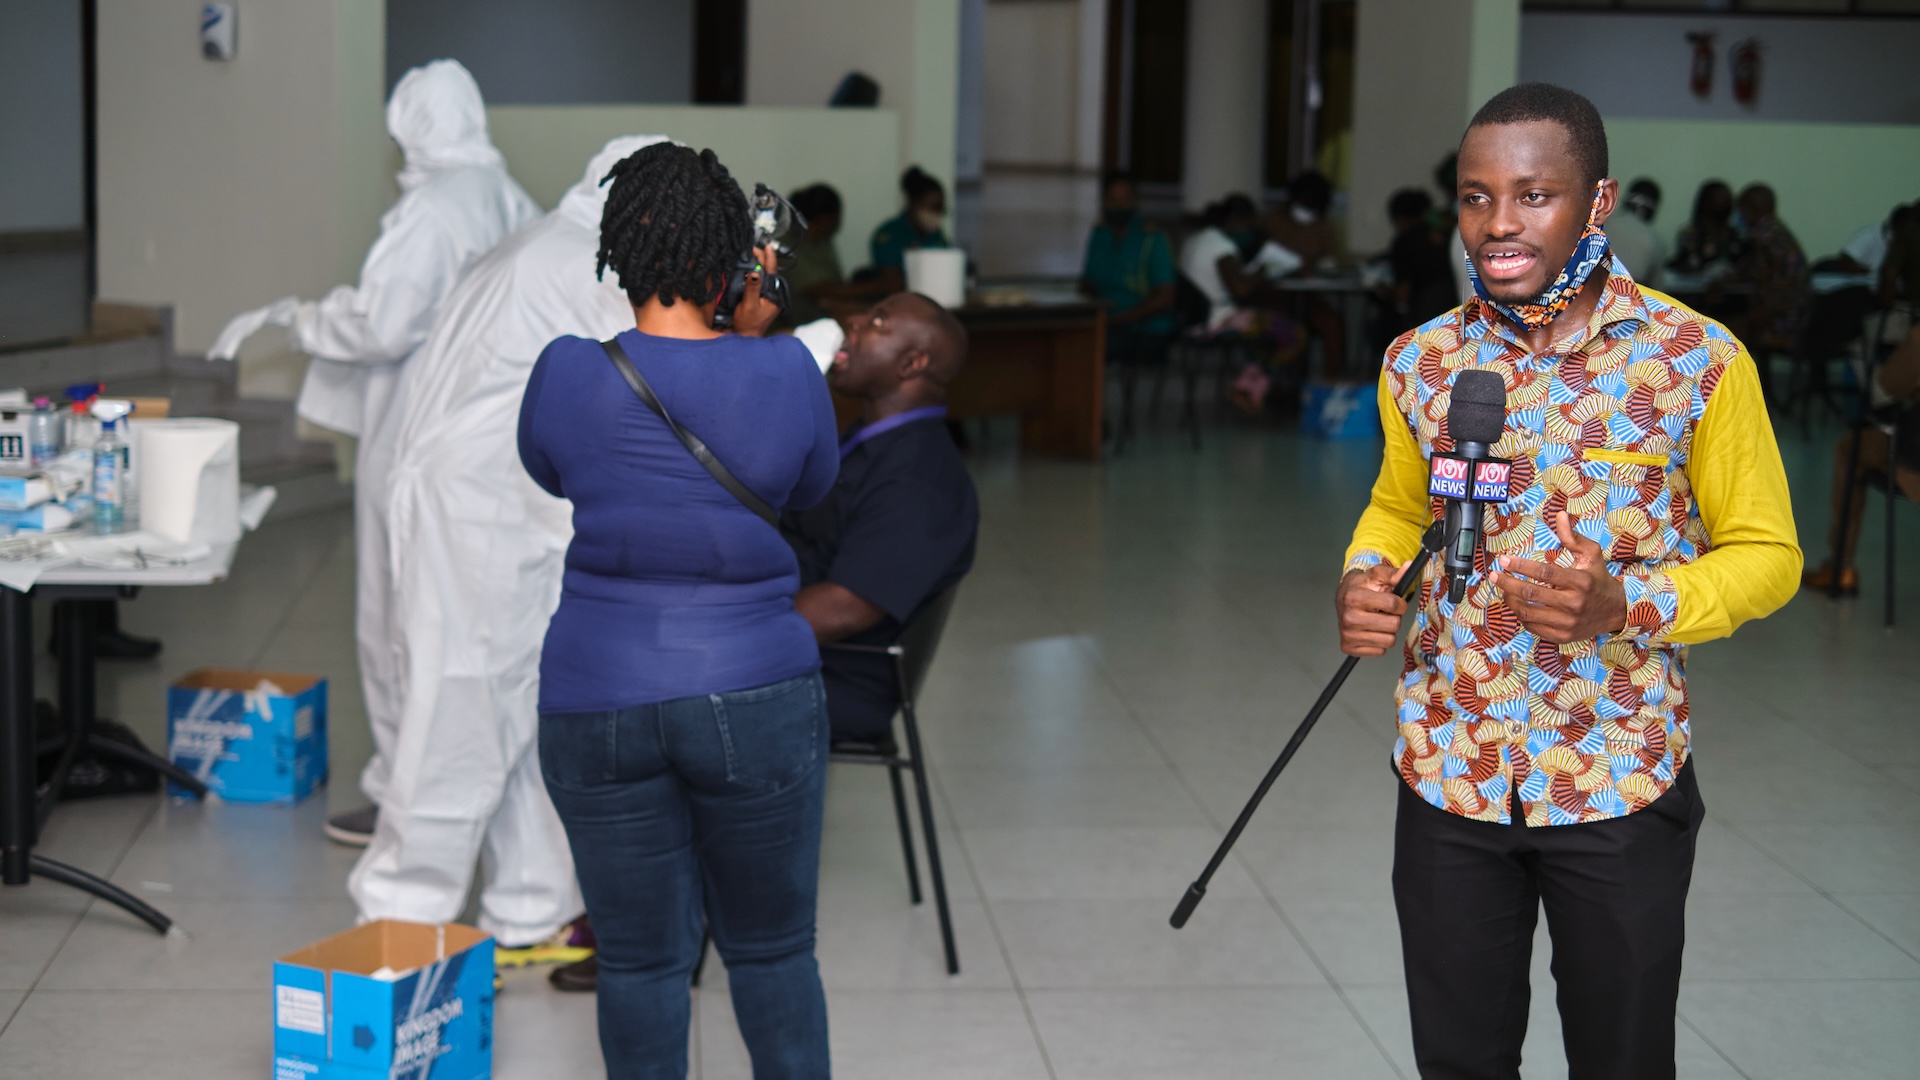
897, 529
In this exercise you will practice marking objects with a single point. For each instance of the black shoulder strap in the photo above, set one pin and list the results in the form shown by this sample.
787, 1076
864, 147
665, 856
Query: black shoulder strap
687, 438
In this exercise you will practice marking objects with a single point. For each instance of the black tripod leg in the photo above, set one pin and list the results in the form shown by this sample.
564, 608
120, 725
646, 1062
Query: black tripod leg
134, 755
102, 888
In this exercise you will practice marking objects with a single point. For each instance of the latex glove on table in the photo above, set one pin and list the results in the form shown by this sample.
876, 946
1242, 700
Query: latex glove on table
284, 312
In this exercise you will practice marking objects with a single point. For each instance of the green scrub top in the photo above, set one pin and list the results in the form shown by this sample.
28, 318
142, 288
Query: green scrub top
1122, 269
896, 236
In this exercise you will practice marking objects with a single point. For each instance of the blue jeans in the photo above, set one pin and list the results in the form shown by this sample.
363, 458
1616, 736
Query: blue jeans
700, 809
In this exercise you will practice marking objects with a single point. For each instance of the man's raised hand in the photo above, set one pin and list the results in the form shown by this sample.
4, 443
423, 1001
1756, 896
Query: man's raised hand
1564, 604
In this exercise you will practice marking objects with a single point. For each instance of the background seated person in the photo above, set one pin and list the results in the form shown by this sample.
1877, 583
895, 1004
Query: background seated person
1215, 260
1422, 286
1129, 267
899, 526
1301, 225
1900, 269
1866, 250
916, 226
1775, 268
1708, 243
1630, 232
1900, 378
1301, 229
818, 287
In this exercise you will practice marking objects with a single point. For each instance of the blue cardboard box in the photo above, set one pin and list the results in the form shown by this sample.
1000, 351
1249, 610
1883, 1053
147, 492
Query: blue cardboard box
252, 736
387, 1000
1340, 410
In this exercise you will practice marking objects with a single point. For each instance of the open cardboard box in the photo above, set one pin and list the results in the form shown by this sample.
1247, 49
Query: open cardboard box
333, 1019
248, 746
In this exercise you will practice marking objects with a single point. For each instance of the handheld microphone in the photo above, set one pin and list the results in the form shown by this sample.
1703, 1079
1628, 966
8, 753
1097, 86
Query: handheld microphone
1471, 475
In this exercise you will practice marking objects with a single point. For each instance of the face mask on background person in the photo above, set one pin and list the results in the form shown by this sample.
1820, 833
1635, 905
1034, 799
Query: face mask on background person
927, 221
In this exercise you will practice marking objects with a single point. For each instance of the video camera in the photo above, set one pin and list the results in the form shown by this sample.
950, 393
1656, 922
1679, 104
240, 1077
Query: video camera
773, 218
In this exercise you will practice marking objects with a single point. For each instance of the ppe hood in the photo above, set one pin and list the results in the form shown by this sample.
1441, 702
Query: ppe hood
586, 200
438, 118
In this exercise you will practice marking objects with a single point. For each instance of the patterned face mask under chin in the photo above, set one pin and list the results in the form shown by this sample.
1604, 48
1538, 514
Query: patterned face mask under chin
1588, 254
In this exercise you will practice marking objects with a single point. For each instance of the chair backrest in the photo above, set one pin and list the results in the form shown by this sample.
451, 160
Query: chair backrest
1189, 303
920, 639
1834, 322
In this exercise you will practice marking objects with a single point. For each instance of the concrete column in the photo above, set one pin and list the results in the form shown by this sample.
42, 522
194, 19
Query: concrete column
1422, 69
1226, 99
930, 132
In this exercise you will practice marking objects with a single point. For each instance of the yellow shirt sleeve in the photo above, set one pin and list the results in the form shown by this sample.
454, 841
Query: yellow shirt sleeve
1740, 488
1397, 514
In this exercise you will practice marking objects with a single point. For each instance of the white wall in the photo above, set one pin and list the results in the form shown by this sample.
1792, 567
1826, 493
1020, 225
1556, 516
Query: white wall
856, 150
1033, 83
223, 186
42, 126
798, 52
555, 52
1859, 71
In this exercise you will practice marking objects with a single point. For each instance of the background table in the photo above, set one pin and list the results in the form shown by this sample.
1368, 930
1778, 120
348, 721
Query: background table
22, 811
1043, 361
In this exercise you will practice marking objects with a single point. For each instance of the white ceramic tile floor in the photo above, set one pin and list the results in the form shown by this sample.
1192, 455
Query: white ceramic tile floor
1138, 638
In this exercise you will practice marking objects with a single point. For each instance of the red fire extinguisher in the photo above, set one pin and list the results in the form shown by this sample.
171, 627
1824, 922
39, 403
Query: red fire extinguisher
1743, 63
1700, 73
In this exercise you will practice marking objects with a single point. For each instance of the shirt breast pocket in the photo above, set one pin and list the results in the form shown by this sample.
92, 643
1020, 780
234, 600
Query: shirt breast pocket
1638, 501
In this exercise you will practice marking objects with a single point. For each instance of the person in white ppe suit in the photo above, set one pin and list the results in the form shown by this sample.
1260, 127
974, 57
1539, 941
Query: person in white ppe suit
457, 203
475, 552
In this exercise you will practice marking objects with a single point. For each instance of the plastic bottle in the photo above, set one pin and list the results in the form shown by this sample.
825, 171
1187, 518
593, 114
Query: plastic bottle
45, 435
110, 459
81, 430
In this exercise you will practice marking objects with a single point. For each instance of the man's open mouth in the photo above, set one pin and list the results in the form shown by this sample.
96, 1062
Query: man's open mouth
1505, 263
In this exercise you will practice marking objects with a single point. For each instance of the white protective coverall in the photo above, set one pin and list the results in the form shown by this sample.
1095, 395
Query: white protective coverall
457, 203
475, 553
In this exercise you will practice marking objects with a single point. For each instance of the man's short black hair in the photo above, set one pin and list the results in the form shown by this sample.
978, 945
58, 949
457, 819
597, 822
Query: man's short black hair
1527, 102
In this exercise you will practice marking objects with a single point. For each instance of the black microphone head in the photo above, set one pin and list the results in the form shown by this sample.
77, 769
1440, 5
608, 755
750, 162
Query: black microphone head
1478, 410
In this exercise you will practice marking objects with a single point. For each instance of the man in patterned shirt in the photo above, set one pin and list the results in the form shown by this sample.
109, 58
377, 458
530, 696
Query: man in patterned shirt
1543, 740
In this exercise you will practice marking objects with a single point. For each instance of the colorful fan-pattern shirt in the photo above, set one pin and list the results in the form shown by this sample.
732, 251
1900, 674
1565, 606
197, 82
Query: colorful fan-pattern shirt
1649, 428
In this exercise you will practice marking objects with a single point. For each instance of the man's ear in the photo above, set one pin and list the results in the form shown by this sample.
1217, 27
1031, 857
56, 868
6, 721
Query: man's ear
1609, 200
915, 364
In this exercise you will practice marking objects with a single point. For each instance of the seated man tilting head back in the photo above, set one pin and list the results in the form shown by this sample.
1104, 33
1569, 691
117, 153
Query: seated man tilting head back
899, 526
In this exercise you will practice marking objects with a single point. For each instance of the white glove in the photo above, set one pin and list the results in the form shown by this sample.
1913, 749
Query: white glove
278, 313
823, 338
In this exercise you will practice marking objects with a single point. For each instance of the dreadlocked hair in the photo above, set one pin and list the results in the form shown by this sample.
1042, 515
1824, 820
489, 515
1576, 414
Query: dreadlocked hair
675, 225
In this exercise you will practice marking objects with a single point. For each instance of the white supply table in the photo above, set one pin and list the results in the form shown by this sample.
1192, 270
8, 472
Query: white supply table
22, 811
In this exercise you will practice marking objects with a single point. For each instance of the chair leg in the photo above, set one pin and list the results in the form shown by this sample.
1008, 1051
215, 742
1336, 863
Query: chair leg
925, 796
1839, 559
1190, 414
906, 831
1893, 507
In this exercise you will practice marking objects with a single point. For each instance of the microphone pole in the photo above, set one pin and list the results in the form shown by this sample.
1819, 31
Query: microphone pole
1196, 892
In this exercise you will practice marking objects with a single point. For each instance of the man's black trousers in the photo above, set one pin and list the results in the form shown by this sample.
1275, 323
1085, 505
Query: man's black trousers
1615, 892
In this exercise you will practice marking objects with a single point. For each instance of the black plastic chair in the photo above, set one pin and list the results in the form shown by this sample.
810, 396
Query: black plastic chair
1889, 423
1831, 336
912, 657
